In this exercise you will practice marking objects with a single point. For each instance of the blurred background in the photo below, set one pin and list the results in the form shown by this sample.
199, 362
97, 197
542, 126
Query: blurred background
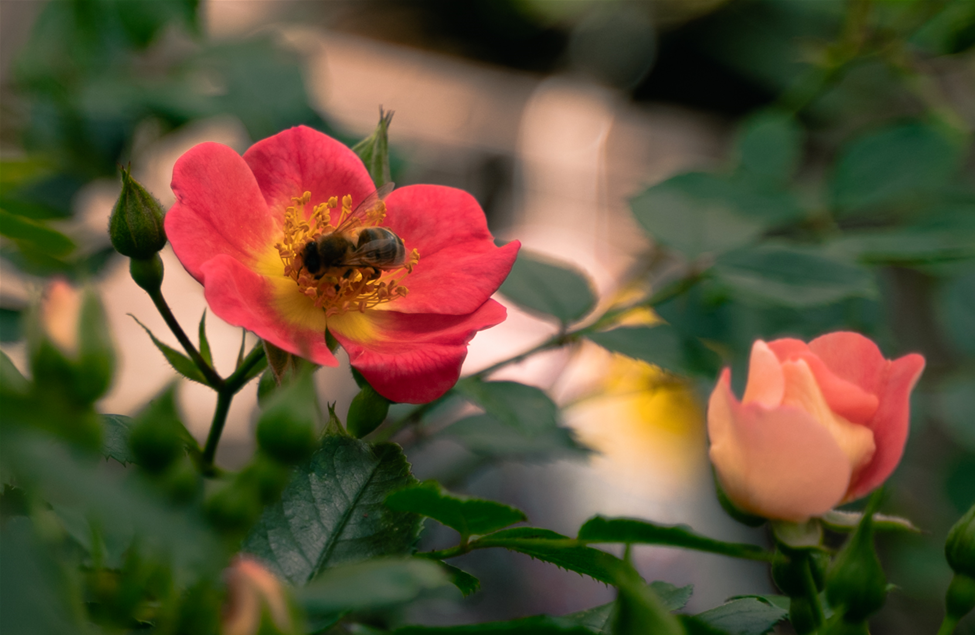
616, 137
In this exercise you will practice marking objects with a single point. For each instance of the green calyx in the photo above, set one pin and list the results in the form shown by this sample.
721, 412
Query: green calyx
136, 225
960, 546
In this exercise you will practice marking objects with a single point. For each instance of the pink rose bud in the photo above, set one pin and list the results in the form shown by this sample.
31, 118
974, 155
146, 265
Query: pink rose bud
820, 424
254, 598
60, 314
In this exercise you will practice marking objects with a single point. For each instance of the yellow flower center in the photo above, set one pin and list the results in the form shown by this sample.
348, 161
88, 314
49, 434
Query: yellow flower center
342, 288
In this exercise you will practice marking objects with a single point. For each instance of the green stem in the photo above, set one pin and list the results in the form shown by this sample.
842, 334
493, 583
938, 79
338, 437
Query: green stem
240, 376
213, 379
224, 398
948, 625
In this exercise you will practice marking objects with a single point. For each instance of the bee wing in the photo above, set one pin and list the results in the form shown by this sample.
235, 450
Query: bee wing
387, 252
367, 205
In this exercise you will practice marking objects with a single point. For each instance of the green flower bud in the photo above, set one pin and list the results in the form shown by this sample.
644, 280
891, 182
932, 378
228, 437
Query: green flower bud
960, 546
233, 508
182, 482
287, 429
136, 225
856, 585
267, 477
147, 273
367, 411
157, 434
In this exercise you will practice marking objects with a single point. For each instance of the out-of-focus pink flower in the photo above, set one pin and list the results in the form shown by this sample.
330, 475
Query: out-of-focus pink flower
253, 593
60, 315
239, 226
820, 424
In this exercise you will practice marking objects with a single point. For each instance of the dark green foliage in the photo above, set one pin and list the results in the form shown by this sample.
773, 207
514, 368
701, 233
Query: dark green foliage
661, 345
469, 516
744, 616
551, 289
299, 537
629, 530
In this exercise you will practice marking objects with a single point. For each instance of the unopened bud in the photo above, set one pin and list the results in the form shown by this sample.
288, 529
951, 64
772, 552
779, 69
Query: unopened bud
136, 225
856, 582
256, 601
367, 410
287, 429
156, 438
960, 546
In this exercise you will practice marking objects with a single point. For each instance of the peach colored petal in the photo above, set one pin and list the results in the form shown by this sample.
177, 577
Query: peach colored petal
778, 463
802, 391
766, 383
844, 397
890, 424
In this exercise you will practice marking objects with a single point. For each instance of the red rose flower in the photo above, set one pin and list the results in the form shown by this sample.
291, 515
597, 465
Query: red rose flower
240, 226
820, 424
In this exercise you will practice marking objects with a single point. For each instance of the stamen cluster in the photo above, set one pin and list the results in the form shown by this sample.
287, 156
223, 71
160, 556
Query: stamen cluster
344, 288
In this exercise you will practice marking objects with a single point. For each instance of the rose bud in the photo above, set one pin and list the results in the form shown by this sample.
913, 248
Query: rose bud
820, 424
256, 602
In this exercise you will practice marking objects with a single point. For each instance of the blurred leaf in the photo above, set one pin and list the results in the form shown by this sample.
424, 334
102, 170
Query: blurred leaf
260, 83
661, 345
956, 300
600, 618
465, 582
557, 549
629, 530
955, 408
791, 276
538, 625
543, 286
526, 408
11, 380
770, 145
204, 342
483, 434
180, 362
10, 330
695, 214
115, 438
893, 164
143, 21
29, 189
374, 584
638, 608
35, 595
121, 508
468, 516
839, 520
746, 616
332, 512
44, 238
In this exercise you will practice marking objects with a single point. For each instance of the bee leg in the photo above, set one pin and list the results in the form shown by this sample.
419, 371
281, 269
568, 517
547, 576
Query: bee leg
375, 273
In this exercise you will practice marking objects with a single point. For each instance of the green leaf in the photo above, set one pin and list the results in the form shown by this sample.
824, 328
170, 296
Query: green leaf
956, 300
629, 530
540, 285
180, 362
41, 236
791, 276
600, 618
893, 164
464, 581
204, 342
523, 407
374, 584
638, 609
332, 512
556, 549
681, 213
839, 520
468, 516
485, 435
661, 345
745, 616
374, 150
115, 438
10, 329
537, 625
35, 593
770, 145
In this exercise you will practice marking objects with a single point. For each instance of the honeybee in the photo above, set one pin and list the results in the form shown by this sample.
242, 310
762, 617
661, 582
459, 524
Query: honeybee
350, 245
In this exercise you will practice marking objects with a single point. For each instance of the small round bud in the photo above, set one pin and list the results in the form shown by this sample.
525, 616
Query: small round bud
156, 439
136, 225
233, 508
960, 546
287, 429
366, 412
